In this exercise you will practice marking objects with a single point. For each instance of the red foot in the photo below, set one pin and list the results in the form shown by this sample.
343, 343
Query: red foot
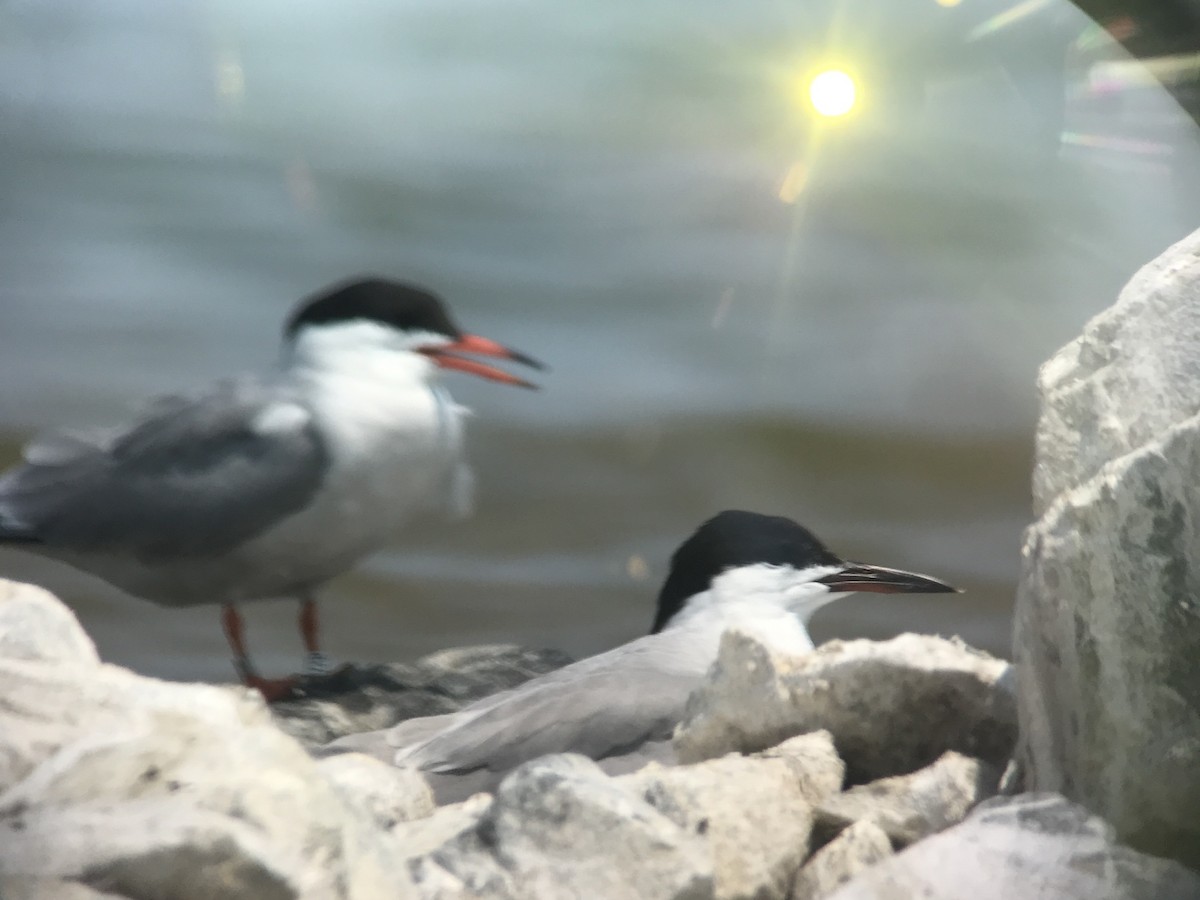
273, 689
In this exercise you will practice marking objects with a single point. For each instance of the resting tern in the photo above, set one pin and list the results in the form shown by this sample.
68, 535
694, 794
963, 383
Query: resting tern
762, 575
267, 486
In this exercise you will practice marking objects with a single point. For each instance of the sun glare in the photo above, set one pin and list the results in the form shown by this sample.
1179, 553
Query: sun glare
832, 93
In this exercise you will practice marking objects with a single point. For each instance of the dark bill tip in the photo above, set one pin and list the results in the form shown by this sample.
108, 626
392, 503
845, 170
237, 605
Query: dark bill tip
878, 580
526, 360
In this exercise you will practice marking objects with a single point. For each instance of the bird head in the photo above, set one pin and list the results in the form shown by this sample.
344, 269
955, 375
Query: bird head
738, 557
378, 315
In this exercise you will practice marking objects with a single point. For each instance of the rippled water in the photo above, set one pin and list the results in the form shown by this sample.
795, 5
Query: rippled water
842, 325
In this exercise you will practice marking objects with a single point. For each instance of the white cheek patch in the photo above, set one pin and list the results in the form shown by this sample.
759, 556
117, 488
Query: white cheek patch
411, 340
737, 584
762, 579
280, 419
806, 589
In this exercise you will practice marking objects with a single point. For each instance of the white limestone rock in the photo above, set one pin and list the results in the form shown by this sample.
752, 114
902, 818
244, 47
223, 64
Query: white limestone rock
911, 807
814, 762
389, 794
856, 849
891, 706
753, 815
419, 837
1107, 633
20, 888
1129, 378
34, 624
151, 789
1030, 846
157, 848
560, 829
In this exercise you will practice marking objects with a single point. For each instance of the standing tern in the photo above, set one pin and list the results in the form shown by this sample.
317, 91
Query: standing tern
267, 486
763, 575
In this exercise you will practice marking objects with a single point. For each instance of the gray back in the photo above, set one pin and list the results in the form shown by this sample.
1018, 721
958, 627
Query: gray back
601, 707
192, 477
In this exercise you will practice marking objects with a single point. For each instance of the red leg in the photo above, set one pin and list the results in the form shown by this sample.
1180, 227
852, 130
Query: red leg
316, 662
309, 626
272, 689
231, 621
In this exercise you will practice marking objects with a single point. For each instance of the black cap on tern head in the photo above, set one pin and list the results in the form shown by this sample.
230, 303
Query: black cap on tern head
402, 306
731, 539
735, 538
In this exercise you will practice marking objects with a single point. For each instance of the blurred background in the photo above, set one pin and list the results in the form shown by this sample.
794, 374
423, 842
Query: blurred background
802, 258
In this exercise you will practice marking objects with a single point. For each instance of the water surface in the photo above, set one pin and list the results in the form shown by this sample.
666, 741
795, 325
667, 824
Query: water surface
842, 325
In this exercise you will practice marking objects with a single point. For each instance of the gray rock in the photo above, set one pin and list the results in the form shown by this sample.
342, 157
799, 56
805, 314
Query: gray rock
911, 807
1129, 378
152, 789
753, 815
857, 848
19, 888
814, 762
389, 794
34, 624
419, 837
559, 828
892, 706
1035, 846
156, 848
1107, 634
368, 697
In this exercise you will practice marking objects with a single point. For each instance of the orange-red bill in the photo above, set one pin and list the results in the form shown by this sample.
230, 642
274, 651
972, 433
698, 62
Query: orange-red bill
446, 356
878, 580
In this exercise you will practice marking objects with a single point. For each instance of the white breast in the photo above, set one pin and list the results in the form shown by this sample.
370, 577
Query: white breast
395, 453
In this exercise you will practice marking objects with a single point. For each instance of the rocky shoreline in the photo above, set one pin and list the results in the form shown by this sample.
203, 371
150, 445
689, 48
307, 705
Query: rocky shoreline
799, 774
916, 767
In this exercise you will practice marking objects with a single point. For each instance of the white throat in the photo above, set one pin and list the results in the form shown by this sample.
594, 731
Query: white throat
771, 603
394, 435
361, 351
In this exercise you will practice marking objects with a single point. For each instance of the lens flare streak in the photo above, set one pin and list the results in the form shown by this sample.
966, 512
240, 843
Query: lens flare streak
1116, 144
1006, 19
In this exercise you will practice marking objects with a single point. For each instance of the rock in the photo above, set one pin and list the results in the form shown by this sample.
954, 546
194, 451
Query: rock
814, 762
911, 807
559, 828
422, 836
34, 624
1030, 846
1127, 380
49, 889
892, 706
152, 789
390, 795
857, 848
368, 697
156, 848
753, 815
1107, 634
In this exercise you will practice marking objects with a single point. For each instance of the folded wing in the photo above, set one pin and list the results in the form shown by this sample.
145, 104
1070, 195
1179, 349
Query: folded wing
194, 476
601, 707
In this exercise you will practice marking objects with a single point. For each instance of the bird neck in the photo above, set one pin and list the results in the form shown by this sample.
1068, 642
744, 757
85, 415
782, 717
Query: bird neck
359, 353
374, 399
771, 603
770, 623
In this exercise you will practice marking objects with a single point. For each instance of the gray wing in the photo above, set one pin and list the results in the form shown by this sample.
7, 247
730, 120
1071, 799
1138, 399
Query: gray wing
193, 476
382, 744
600, 707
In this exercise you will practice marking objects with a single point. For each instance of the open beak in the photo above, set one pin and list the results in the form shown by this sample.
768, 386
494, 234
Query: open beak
445, 356
878, 580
